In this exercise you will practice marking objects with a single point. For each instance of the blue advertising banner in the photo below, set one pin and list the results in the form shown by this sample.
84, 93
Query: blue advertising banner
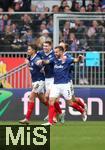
13, 104
92, 59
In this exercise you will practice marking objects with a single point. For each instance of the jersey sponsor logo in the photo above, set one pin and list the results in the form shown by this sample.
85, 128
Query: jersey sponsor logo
58, 67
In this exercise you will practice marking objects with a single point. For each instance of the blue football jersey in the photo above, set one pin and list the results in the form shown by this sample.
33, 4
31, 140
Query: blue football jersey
71, 68
48, 68
61, 70
71, 71
36, 70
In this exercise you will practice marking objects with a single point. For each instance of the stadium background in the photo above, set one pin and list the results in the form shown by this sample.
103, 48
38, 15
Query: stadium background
84, 32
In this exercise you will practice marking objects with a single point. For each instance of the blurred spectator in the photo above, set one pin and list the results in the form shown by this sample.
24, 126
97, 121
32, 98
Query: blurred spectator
66, 9
98, 9
55, 9
10, 9
31, 27
75, 6
28, 37
80, 31
17, 5
63, 4
66, 31
40, 6
14, 28
39, 23
82, 9
5, 4
41, 28
26, 5
1, 24
22, 5
103, 8
7, 39
44, 37
73, 42
33, 8
89, 8
17, 44
25, 24
46, 9
1, 9
50, 26
92, 35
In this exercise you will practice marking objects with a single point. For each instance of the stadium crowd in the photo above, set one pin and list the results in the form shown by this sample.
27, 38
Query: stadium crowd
17, 30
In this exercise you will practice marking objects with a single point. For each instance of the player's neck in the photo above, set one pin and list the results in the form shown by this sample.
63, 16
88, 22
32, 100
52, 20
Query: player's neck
33, 55
47, 53
63, 58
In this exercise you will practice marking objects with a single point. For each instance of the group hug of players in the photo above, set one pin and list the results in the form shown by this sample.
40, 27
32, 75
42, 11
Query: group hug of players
52, 73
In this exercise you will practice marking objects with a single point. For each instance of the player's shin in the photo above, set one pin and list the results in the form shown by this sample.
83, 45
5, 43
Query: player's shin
76, 106
80, 102
30, 109
51, 112
57, 107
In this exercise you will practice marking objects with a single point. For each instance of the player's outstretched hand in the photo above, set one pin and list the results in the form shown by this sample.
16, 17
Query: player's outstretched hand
64, 58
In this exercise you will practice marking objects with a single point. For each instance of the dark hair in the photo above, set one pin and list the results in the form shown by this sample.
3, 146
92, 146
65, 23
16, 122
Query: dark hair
33, 46
66, 47
48, 42
60, 48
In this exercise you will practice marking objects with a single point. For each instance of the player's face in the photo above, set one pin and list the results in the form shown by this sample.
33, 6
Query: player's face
46, 47
30, 51
57, 53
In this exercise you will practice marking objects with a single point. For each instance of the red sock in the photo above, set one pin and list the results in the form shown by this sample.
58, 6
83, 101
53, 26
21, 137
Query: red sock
78, 100
55, 114
57, 107
77, 107
51, 113
30, 109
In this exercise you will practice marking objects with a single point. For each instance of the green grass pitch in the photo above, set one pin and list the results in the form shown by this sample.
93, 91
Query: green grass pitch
75, 135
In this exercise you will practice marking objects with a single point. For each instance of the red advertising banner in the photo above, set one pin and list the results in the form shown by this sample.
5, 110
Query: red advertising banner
11, 62
17, 79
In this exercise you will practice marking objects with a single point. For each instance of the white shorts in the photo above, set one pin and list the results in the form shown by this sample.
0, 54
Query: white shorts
38, 86
48, 84
71, 87
63, 90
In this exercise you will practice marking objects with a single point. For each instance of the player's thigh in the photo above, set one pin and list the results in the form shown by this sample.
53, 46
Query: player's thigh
54, 91
48, 84
38, 87
66, 92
